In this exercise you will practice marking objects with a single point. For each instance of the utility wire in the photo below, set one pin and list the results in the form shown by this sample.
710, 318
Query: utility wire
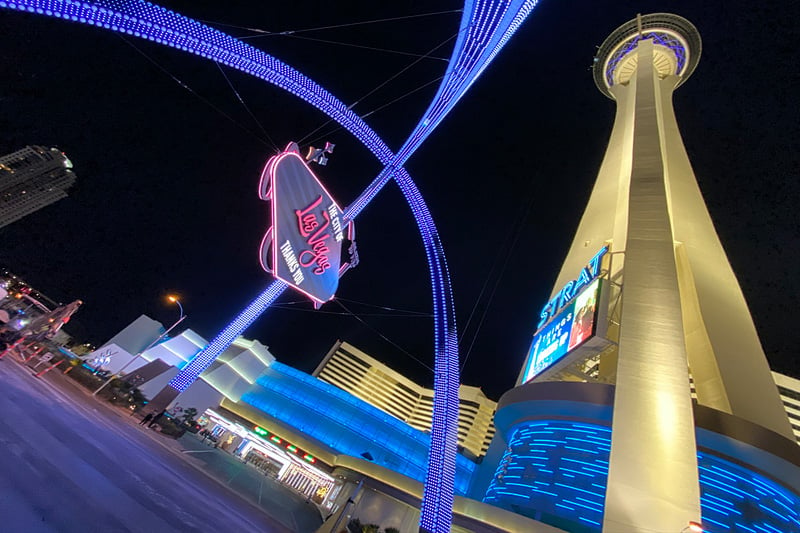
517, 233
379, 108
382, 335
409, 93
265, 33
510, 235
241, 101
403, 311
351, 106
192, 91
486, 284
318, 311
420, 313
364, 47
428, 53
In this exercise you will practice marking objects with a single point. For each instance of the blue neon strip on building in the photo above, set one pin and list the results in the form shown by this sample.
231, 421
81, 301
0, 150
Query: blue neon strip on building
347, 424
565, 485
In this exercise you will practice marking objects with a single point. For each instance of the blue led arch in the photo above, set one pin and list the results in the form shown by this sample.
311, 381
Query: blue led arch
485, 28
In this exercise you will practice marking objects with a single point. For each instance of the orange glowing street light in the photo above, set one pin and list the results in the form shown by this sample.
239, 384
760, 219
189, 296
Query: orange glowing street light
174, 299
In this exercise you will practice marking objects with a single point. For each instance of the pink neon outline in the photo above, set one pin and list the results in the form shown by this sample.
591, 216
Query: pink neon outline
272, 164
267, 237
266, 196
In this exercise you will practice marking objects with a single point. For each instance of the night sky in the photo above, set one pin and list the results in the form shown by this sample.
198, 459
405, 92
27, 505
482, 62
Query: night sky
166, 196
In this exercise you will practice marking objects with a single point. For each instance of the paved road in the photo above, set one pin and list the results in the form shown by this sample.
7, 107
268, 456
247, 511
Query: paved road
66, 465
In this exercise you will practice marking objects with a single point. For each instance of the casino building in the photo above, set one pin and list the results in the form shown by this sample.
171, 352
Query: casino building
350, 455
602, 432
30, 179
789, 389
352, 370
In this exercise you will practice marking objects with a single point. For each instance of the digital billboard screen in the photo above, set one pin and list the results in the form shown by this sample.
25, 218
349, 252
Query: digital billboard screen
574, 325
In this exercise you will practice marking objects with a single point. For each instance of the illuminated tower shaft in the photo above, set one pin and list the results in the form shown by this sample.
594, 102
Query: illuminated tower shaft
652, 404
682, 308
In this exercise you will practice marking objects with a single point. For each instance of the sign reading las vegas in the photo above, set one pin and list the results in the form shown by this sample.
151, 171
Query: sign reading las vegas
303, 248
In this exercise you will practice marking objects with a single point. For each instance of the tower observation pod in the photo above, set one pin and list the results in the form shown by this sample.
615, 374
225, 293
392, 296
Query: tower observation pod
645, 374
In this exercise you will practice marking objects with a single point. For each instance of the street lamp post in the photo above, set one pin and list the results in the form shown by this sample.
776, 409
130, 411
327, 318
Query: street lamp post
181, 318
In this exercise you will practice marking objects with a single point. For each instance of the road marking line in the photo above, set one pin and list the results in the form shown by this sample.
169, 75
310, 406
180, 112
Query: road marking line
197, 451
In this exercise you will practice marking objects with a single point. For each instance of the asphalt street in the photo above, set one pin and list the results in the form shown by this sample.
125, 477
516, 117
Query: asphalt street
68, 464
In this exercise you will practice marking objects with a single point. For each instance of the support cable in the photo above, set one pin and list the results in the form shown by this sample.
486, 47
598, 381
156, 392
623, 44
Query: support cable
327, 134
381, 85
266, 33
320, 312
364, 47
410, 312
192, 91
399, 312
404, 69
409, 93
246, 107
383, 336
517, 233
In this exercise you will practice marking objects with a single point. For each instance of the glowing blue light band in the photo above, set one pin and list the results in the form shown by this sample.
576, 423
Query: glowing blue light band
664, 39
485, 27
348, 424
559, 468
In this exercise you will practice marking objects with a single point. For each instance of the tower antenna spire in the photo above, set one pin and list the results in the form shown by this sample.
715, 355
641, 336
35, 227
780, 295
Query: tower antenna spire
639, 24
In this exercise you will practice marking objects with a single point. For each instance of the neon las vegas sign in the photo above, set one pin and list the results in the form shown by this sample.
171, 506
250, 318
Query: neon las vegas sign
304, 245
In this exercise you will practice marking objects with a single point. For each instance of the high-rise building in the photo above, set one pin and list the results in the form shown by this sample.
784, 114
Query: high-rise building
30, 179
789, 389
602, 432
352, 370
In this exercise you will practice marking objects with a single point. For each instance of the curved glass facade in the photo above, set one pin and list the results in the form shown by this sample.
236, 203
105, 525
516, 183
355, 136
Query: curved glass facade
347, 424
556, 471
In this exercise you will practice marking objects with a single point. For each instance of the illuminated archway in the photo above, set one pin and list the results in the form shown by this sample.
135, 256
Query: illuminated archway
485, 27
